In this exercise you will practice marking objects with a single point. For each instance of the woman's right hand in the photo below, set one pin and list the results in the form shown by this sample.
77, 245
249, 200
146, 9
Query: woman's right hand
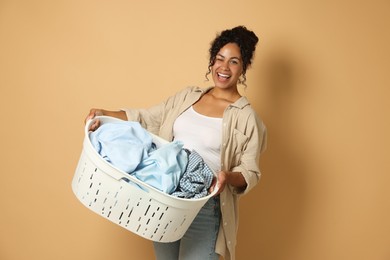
100, 112
92, 114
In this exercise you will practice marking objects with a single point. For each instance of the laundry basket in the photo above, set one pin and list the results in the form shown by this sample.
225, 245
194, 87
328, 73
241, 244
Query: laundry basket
127, 201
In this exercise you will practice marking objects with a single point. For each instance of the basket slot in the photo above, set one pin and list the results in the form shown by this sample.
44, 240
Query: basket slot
162, 214
131, 211
167, 225
155, 231
184, 220
146, 212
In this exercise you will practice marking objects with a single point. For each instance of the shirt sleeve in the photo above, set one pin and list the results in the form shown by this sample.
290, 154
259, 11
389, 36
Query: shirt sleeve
250, 156
150, 118
154, 117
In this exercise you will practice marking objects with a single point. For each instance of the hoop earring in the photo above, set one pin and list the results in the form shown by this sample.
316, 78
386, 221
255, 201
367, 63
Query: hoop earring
241, 81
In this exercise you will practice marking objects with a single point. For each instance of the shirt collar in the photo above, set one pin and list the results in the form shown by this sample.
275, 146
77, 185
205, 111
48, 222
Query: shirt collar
241, 103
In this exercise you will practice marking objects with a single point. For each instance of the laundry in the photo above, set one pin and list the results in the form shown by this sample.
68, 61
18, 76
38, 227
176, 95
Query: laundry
169, 168
123, 144
196, 180
130, 148
164, 167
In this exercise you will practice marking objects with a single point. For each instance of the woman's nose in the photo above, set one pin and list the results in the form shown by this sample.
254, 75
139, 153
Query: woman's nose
225, 65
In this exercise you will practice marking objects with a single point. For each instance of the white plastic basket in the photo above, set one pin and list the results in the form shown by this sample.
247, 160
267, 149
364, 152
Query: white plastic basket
111, 193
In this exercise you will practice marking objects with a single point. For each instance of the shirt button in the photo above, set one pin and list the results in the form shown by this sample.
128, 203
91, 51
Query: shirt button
225, 224
223, 203
229, 242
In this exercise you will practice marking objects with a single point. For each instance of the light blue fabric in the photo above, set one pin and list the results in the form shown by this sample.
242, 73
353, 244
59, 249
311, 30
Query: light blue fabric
164, 167
129, 147
123, 144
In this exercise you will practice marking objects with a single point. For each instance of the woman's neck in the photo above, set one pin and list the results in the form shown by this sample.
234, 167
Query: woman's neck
230, 95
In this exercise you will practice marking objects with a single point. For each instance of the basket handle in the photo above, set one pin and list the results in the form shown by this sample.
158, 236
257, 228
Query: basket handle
216, 187
102, 119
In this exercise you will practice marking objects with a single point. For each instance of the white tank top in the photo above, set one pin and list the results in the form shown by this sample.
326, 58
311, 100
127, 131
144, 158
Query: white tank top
202, 134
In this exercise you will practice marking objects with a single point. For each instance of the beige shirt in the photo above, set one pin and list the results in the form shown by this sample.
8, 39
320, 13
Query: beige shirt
243, 139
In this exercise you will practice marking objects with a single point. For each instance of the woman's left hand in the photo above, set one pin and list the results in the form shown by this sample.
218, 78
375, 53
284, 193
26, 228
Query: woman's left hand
219, 182
235, 179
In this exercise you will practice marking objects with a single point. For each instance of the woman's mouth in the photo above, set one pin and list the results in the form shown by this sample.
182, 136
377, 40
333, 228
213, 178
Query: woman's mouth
223, 76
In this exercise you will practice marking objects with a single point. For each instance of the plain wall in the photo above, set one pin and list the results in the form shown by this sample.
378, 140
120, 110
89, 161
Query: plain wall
319, 81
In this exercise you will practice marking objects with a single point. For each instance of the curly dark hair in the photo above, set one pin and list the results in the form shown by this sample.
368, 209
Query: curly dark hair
244, 38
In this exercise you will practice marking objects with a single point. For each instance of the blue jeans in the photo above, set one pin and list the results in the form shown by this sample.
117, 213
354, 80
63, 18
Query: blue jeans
199, 240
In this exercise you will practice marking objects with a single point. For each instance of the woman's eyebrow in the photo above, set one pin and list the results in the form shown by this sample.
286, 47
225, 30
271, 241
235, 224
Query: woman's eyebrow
225, 57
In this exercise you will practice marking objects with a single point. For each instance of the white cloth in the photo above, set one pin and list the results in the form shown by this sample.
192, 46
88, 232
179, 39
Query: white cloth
203, 135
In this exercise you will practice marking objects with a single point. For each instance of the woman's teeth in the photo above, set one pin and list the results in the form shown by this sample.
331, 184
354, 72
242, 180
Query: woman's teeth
223, 75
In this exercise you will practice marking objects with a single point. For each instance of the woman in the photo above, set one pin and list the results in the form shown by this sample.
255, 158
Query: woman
222, 127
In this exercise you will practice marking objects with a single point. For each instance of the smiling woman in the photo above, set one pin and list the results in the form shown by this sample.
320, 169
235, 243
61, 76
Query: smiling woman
227, 67
218, 113
246, 42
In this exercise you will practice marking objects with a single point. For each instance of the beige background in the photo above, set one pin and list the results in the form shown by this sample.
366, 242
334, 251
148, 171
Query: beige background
319, 80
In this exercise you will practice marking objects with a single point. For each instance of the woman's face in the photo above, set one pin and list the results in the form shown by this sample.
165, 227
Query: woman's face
227, 67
